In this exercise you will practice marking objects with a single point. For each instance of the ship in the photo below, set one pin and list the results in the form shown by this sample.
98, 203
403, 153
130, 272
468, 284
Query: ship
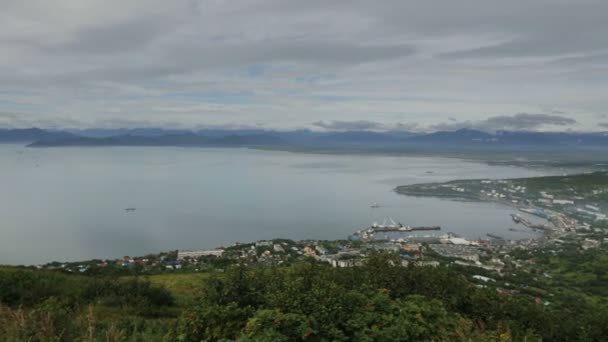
388, 227
375, 205
397, 227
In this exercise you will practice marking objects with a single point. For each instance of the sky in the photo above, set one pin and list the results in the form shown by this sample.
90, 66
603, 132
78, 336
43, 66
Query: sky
317, 64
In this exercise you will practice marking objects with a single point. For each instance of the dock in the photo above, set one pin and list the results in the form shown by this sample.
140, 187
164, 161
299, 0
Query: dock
401, 229
518, 219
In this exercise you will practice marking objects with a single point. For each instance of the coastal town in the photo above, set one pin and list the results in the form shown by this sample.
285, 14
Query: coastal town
569, 202
574, 220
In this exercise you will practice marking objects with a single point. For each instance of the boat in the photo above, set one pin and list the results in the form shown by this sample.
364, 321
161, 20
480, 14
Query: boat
516, 218
392, 226
129, 209
495, 236
374, 205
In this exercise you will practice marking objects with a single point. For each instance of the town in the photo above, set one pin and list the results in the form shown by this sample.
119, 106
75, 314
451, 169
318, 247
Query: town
491, 262
575, 221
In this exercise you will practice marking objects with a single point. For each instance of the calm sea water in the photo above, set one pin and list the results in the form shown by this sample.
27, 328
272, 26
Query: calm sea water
68, 203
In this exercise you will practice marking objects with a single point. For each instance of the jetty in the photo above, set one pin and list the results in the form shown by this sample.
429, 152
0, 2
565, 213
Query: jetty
518, 219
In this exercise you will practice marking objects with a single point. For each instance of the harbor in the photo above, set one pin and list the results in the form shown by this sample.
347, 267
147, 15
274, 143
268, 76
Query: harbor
520, 220
392, 227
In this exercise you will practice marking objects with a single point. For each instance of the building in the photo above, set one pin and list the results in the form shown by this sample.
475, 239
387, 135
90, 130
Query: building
263, 244
458, 241
592, 207
546, 195
411, 248
482, 278
464, 252
321, 250
308, 250
344, 262
198, 254
430, 263
590, 243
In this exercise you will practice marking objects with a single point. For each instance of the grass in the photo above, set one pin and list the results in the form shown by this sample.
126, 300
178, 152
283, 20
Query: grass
183, 286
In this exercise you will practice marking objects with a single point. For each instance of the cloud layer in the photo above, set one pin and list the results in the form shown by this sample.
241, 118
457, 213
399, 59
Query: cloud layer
517, 122
287, 64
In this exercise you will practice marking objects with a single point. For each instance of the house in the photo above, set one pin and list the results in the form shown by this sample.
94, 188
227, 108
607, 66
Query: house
308, 250
411, 248
590, 243
464, 252
427, 263
482, 278
546, 195
321, 250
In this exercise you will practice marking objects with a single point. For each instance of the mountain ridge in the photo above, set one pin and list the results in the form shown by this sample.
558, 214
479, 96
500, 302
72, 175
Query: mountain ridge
389, 140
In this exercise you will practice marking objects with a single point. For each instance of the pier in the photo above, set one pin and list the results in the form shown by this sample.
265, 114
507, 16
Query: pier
401, 229
518, 219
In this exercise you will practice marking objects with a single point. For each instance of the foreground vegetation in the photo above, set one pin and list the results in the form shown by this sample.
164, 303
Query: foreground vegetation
379, 301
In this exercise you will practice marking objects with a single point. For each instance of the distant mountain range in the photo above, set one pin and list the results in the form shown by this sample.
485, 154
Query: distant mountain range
305, 139
29, 135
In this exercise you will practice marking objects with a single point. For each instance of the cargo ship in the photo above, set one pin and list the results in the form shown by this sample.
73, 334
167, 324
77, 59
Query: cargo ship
397, 227
387, 227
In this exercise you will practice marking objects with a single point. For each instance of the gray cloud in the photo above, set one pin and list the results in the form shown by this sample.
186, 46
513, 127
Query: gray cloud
562, 29
349, 125
517, 122
363, 125
283, 50
161, 62
603, 124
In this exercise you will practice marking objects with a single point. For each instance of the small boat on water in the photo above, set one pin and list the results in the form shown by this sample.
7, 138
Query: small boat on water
374, 205
129, 210
496, 237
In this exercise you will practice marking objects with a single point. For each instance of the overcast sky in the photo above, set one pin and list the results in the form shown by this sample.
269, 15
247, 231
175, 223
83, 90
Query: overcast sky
321, 64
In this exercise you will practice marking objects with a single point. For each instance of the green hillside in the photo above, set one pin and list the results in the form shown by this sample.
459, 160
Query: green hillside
378, 301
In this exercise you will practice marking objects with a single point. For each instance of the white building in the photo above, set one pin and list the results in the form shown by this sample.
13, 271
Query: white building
546, 195
592, 207
482, 278
562, 202
198, 254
